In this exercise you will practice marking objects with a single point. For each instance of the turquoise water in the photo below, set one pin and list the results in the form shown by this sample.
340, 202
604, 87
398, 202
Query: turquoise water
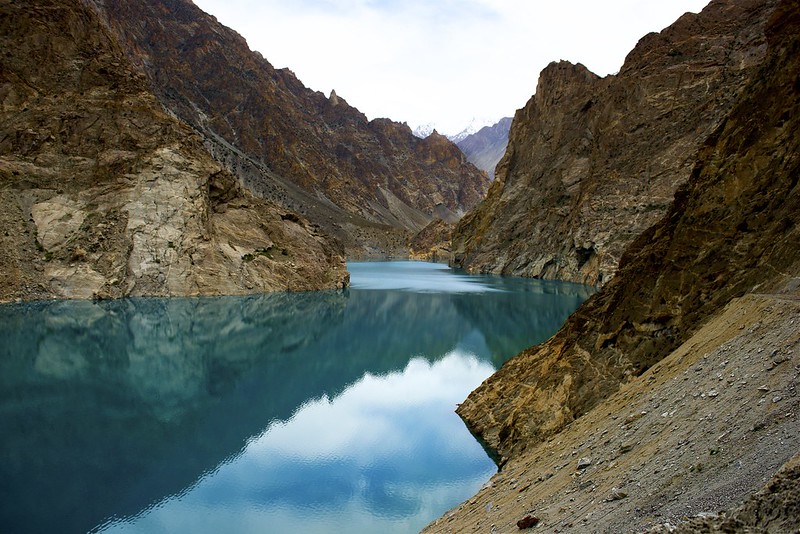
317, 412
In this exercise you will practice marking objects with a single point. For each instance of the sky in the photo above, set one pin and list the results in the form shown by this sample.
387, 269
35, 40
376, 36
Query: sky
441, 62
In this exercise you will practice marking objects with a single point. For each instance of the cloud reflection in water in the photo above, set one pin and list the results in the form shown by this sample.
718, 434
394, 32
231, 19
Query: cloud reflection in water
364, 461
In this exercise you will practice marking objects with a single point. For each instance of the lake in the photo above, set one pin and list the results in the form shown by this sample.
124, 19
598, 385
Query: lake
302, 412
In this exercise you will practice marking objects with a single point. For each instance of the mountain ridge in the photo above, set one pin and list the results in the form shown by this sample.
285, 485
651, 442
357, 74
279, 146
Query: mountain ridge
265, 120
105, 195
671, 394
592, 162
487, 146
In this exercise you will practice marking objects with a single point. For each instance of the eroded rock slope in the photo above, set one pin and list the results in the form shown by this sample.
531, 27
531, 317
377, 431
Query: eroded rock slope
593, 162
673, 391
309, 152
102, 193
731, 229
486, 147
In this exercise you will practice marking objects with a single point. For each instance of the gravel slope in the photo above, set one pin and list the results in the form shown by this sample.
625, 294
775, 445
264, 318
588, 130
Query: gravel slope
696, 434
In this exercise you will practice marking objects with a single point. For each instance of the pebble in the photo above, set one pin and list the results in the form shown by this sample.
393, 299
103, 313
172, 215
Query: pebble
617, 495
583, 463
713, 393
528, 521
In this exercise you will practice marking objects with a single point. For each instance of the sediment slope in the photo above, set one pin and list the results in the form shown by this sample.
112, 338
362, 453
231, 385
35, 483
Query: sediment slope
103, 194
593, 162
312, 153
689, 353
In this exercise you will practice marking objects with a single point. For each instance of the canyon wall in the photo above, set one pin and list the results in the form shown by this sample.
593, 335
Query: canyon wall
104, 194
731, 229
314, 154
593, 162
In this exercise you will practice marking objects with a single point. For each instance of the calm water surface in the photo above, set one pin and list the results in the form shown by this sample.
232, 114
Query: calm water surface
318, 412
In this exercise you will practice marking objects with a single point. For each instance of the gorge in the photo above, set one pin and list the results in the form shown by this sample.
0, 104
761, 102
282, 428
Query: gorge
145, 151
672, 391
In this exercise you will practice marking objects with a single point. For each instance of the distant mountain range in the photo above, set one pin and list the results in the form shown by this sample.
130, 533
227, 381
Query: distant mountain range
473, 126
485, 147
483, 141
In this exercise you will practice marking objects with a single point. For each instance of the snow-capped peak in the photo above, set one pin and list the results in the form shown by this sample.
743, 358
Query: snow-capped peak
473, 126
424, 130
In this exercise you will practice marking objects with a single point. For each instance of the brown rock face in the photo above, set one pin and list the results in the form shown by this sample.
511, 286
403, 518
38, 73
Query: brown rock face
731, 229
102, 194
432, 242
357, 179
591, 163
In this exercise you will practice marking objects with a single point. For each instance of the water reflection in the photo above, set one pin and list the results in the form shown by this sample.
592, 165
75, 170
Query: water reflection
332, 409
367, 455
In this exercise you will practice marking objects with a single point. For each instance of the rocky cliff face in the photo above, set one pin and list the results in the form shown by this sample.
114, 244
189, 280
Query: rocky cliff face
486, 147
357, 179
731, 229
673, 390
104, 194
592, 162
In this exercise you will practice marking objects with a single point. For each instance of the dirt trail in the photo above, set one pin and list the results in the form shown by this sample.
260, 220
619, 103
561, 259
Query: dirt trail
696, 434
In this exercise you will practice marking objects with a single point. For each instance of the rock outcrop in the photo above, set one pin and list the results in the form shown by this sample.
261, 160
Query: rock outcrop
104, 194
673, 390
731, 229
486, 147
359, 180
593, 162
432, 243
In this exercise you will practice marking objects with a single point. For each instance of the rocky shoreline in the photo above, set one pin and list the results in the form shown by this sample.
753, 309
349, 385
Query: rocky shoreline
694, 435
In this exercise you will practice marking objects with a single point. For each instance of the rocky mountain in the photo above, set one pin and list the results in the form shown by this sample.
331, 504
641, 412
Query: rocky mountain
673, 391
424, 130
592, 162
369, 183
486, 147
103, 193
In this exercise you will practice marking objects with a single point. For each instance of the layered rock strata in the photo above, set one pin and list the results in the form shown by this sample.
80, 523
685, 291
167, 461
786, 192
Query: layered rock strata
359, 180
593, 162
104, 194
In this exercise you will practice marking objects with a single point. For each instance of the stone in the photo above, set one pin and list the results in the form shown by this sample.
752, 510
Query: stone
583, 463
529, 521
617, 495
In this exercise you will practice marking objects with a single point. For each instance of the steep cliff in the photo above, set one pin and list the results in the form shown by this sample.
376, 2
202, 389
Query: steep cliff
357, 179
731, 229
486, 147
592, 162
104, 194
673, 391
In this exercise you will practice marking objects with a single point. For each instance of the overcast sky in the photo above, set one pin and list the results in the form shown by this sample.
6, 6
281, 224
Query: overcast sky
441, 61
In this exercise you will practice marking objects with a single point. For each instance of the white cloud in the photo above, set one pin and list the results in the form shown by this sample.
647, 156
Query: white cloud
446, 61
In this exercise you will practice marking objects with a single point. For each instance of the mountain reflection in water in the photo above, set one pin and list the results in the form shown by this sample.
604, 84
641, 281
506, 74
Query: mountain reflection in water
287, 412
